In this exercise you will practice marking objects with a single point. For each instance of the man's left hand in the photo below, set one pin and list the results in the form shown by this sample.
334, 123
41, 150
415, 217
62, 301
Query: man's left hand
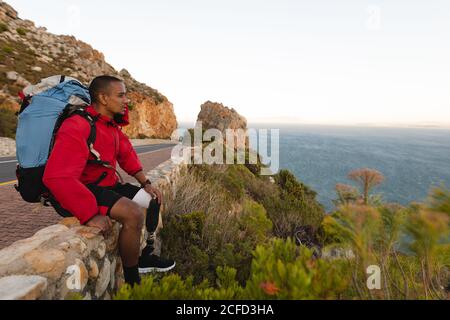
155, 193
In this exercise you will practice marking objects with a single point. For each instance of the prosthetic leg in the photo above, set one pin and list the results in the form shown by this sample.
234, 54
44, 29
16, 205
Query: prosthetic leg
149, 261
151, 223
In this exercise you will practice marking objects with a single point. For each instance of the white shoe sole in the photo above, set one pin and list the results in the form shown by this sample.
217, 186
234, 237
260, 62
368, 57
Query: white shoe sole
162, 270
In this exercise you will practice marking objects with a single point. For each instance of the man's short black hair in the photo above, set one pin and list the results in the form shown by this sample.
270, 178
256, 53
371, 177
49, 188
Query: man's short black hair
101, 85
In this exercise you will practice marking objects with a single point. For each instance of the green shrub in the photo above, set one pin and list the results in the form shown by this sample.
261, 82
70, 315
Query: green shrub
8, 50
173, 287
225, 229
3, 27
254, 228
254, 168
219, 227
254, 221
8, 123
289, 183
131, 106
74, 296
282, 270
440, 200
182, 237
22, 31
293, 206
289, 203
232, 178
410, 245
200, 243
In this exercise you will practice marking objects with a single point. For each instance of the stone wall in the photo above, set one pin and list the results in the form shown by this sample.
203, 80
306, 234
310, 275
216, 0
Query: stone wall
7, 147
67, 259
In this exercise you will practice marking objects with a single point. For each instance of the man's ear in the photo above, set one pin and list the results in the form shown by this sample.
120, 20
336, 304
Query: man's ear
103, 98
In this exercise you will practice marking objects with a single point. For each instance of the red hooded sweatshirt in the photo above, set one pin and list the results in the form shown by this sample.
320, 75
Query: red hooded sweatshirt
67, 172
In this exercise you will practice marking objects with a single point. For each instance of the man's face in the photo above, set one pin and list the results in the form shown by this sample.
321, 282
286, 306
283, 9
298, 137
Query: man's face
116, 99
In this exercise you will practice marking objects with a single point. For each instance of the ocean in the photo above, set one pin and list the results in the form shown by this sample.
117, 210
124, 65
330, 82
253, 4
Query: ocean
413, 160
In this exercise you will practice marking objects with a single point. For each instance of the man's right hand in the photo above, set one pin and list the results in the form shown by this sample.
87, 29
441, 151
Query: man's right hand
101, 222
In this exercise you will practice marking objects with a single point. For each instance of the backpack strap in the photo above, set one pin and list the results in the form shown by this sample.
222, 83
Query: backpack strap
93, 133
70, 111
25, 103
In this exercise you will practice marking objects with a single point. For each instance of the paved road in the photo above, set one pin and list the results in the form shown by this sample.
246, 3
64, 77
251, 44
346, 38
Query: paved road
8, 164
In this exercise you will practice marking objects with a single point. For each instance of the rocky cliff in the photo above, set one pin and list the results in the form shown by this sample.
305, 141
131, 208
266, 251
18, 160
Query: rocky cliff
29, 53
217, 116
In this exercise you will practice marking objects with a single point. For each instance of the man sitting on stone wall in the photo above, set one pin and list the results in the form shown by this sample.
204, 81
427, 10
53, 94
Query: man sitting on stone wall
92, 192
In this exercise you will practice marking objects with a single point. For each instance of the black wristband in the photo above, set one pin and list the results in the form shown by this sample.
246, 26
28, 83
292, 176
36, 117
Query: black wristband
146, 183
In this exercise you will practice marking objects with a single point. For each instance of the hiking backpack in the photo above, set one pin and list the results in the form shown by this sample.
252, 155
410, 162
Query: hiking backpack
45, 107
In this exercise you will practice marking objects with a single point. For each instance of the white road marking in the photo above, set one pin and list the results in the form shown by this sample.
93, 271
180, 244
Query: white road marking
9, 161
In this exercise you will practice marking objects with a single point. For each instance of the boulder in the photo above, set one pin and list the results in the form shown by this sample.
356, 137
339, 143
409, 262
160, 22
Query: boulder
103, 279
12, 75
22, 287
217, 116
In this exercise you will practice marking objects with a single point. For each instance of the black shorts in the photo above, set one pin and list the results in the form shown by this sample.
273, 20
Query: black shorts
106, 197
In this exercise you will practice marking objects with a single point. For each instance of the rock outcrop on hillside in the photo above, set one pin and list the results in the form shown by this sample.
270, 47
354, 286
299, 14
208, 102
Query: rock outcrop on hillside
217, 116
150, 120
29, 53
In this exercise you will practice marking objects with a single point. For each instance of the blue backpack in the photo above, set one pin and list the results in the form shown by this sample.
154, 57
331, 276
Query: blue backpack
45, 107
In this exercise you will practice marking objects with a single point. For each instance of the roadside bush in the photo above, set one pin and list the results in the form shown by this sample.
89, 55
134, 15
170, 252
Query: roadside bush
200, 243
8, 50
282, 270
22, 31
293, 206
289, 203
410, 246
3, 27
173, 287
206, 227
8, 123
131, 106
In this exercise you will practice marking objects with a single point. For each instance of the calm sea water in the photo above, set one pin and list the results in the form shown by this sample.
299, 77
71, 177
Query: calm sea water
413, 160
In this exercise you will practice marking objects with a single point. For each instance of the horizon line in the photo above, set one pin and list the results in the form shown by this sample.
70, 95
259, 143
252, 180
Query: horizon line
425, 125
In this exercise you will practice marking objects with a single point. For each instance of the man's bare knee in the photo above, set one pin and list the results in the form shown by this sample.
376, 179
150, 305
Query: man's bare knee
136, 218
128, 213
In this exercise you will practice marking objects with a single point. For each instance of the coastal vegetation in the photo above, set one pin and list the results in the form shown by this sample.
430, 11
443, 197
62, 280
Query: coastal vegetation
8, 123
238, 235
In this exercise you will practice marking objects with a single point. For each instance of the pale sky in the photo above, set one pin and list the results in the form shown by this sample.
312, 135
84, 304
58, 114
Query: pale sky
311, 61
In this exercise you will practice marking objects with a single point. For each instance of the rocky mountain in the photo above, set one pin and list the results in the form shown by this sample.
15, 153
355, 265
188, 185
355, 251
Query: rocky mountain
29, 53
215, 115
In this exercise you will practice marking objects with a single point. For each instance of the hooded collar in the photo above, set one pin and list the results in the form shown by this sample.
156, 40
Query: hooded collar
123, 119
91, 110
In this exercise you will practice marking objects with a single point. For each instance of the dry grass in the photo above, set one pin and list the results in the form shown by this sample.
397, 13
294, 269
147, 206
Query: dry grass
193, 194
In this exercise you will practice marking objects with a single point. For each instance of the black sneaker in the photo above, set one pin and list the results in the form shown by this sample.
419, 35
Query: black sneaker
153, 263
